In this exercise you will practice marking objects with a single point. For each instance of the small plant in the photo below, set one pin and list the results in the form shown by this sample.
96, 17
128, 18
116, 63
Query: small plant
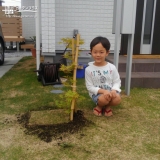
70, 44
67, 69
70, 97
33, 50
66, 99
33, 38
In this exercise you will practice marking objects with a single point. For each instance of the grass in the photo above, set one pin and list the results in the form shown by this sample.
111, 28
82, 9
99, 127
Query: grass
132, 133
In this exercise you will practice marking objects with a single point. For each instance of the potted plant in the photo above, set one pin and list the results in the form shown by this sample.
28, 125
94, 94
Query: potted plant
33, 50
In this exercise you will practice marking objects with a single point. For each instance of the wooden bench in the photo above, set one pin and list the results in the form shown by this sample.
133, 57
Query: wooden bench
27, 46
11, 26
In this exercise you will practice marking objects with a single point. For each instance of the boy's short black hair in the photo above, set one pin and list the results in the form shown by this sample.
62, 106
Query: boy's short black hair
104, 41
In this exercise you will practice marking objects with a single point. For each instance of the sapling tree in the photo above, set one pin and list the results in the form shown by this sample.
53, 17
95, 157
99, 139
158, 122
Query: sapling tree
70, 97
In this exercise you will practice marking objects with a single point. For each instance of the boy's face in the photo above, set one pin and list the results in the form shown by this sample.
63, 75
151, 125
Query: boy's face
99, 54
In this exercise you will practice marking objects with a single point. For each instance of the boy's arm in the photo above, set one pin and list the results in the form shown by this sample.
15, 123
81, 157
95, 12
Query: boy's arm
116, 81
89, 83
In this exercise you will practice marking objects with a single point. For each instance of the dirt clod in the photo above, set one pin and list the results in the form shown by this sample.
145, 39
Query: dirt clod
57, 131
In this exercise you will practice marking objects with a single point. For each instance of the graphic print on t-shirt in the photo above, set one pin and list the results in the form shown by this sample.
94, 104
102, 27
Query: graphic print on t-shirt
102, 79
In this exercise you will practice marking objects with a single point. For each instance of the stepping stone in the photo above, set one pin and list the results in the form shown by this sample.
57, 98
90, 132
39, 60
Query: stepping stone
48, 117
56, 91
58, 86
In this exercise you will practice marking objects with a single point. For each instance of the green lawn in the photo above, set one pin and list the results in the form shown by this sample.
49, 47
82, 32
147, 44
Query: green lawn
132, 133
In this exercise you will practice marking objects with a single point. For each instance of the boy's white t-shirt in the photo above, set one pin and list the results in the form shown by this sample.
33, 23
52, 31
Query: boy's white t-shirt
102, 77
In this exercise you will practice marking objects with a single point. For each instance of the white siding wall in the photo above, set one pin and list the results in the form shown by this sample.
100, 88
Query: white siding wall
92, 18
48, 25
28, 24
60, 17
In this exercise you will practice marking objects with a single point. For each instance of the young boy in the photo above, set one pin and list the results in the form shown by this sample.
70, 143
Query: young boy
102, 79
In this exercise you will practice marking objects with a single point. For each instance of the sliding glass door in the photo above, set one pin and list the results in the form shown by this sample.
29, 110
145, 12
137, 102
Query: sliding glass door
147, 26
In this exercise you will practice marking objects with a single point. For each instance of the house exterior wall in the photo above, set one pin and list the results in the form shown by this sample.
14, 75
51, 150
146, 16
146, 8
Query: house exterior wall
91, 18
60, 17
28, 23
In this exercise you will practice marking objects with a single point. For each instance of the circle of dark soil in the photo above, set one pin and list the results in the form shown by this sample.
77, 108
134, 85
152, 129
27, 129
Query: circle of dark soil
57, 131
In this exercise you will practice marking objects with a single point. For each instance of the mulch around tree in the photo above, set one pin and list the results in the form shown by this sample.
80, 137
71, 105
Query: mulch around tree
47, 132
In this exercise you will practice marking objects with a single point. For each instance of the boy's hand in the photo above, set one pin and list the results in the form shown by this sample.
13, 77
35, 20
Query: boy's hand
107, 95
114, 93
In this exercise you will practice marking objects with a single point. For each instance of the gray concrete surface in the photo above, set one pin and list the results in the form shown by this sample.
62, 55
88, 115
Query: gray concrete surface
11, 58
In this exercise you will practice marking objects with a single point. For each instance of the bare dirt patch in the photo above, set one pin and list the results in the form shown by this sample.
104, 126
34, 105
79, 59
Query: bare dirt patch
17, 83
14, 93
57, 131
5, 119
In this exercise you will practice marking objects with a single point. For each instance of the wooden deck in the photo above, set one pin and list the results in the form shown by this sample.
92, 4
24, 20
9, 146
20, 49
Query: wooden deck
144, 56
